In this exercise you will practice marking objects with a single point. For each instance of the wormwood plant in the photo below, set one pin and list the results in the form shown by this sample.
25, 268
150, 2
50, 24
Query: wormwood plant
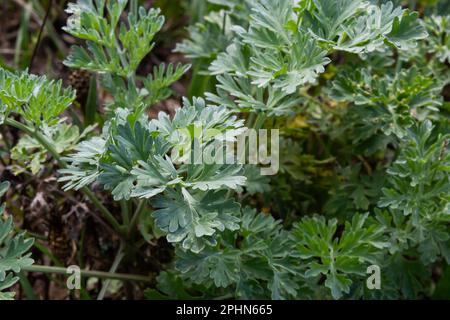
13, 251
356, 88
377, 119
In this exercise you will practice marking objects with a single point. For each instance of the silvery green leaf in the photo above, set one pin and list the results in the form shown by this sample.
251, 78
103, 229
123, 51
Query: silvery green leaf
14, 249
37, 99
194, 219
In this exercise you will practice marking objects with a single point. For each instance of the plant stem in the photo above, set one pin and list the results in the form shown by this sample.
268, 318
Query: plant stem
88, 273
200, 83
259, 121
46, 251
38, 136
251, 119
113, 269
105, 212
49, 147
125, 212
36, 14
47, 13
256, 120
134, 7
27, 287
135, 218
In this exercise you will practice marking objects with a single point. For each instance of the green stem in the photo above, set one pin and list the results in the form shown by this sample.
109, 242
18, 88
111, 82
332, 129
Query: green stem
134, 7
113, 269
256, 120
38, 12
49, 147
38, 136
105, 212
27, 287
200, 83
31, 234
46, 251
136, 215
260, 119
88, 273
125, 212
251, 119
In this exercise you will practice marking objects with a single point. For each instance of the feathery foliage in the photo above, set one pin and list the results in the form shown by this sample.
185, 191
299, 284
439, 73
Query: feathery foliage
13, 251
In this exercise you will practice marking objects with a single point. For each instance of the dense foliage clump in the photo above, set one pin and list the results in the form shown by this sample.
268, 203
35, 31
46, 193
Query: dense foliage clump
359, 91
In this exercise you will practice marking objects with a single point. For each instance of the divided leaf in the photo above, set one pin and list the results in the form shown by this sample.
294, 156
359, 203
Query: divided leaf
342, 259
38, 100
13, 251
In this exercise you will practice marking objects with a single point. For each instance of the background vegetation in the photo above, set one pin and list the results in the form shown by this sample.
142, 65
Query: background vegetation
363, 111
